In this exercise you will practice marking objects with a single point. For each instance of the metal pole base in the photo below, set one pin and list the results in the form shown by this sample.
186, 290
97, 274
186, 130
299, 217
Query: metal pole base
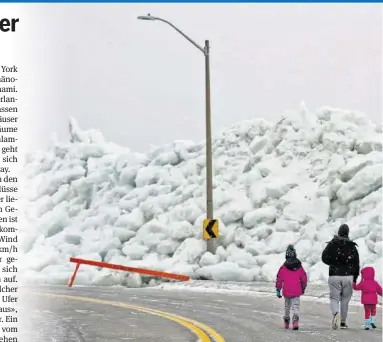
212, 245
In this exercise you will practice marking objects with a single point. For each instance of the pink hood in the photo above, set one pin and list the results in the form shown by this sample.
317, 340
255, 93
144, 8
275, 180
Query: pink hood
368, 273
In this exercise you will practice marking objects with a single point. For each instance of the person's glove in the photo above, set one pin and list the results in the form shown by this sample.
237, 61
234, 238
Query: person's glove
279, 294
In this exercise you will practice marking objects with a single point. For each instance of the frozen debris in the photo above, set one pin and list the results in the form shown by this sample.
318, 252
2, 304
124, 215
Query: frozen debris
262, 215
359, 162
289, 182
209, 259
368, 144
362, 184
134, 280
225, 271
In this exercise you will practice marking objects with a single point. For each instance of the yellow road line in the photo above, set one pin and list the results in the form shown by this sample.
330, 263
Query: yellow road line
217, 337
199, 329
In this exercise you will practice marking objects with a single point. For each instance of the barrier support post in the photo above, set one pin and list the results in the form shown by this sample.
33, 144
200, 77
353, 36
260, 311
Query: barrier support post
74, 275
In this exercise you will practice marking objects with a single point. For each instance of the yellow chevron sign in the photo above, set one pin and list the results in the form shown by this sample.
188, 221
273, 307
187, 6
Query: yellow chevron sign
210, 229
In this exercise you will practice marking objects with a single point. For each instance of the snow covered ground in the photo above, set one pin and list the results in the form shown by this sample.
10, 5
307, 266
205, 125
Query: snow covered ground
293, 181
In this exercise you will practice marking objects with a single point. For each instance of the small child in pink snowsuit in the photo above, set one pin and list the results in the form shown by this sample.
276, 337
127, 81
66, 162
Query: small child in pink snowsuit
293, 279
370, 290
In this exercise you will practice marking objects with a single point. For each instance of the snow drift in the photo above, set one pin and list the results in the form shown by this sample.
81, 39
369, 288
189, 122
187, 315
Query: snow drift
294, 181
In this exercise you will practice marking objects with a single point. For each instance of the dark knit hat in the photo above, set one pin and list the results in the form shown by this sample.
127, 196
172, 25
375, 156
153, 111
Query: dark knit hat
343, 230
291, 252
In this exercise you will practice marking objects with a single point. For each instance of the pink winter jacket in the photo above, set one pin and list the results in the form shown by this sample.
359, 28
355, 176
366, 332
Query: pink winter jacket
369, 286
293, 282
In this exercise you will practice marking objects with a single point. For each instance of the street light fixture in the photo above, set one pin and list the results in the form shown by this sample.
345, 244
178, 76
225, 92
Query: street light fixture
211, 243
146, 17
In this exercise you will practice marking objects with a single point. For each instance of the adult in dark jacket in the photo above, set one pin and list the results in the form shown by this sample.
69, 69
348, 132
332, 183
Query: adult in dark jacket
342, 256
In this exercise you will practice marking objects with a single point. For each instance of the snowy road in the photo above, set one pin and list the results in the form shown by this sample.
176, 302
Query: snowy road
118, 314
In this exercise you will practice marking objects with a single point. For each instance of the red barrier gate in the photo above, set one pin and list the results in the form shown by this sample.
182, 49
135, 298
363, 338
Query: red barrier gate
78, 262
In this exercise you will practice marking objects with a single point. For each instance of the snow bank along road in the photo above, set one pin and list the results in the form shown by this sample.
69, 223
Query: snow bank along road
101, 314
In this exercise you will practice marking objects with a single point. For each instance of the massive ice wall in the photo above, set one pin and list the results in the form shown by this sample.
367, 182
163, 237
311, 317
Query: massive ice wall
293, 181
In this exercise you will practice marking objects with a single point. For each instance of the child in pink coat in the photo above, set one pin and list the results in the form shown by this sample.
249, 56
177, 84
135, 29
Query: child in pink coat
293, 279
370, 290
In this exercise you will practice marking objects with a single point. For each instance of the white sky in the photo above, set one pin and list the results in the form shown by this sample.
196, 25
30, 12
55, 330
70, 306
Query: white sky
142, 83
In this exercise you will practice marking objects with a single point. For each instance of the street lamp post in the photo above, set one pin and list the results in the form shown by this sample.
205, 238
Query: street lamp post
211, 243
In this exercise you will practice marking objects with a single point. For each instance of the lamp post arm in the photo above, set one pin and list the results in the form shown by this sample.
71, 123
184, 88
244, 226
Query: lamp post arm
183, 34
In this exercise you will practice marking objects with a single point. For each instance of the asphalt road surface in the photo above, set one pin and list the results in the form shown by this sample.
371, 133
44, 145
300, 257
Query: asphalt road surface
96, 314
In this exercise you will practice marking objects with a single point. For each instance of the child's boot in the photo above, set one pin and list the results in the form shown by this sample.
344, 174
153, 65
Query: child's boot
367, 324
296, 325
286, 323
373, 322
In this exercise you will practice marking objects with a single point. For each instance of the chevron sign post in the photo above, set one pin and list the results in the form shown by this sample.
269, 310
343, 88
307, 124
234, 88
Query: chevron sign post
210, 229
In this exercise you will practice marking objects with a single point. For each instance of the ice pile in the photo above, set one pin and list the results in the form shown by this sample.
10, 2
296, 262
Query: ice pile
294, 181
